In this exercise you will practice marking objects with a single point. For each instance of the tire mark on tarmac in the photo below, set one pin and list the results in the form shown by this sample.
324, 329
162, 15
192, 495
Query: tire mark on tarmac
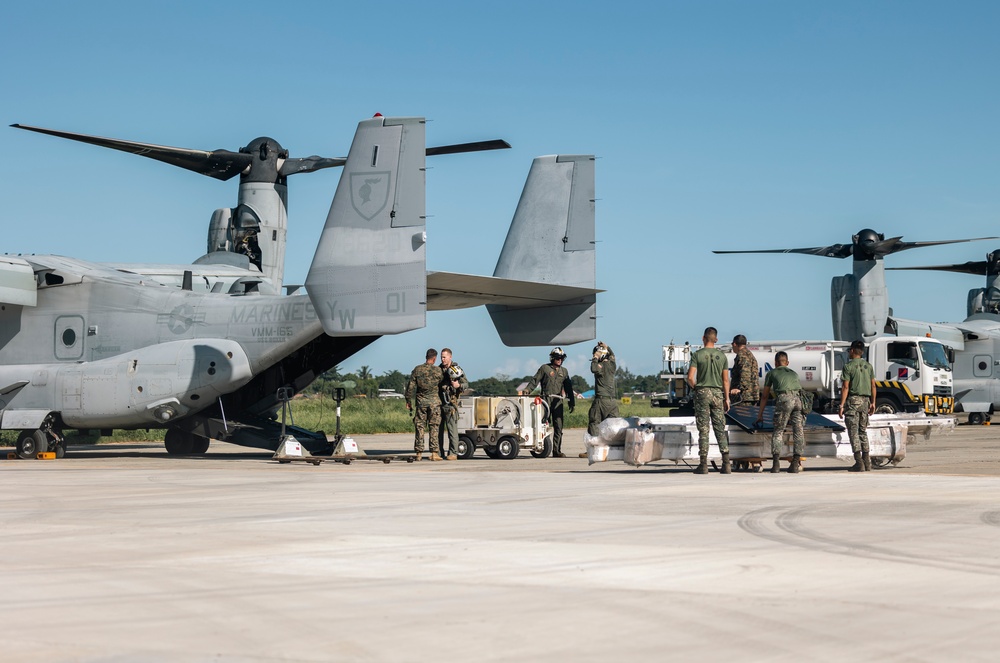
784, 525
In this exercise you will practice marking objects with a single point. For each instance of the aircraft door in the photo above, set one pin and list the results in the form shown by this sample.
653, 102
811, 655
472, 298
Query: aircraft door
982, 366
69, 336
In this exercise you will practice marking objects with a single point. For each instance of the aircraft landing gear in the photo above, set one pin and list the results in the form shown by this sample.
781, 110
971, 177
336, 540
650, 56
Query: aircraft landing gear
30, 443
978, 418
182, 443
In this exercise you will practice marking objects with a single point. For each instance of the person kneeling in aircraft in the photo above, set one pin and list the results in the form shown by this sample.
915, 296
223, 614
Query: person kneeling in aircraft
784, 382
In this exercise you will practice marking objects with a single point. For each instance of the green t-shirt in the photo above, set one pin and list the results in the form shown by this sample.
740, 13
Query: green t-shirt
710, 362
782, 379
860, 375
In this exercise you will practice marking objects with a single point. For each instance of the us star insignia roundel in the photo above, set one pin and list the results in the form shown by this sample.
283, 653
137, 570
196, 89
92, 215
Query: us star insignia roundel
370, 193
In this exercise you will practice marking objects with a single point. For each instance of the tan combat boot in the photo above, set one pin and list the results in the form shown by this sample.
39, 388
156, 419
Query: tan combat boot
796, 465
727, 467
775, 463
859, 465
866, 460
451, 457
702, 466
436, 456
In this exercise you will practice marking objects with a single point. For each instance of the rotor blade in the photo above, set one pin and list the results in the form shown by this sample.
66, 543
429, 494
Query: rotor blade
309, 164
480, 146
220, 164
975, 267
894, 244
832, 251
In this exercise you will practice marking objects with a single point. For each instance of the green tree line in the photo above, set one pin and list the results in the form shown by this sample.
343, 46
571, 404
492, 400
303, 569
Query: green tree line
365, 384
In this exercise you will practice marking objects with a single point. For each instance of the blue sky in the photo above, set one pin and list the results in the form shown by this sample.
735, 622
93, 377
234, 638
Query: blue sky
718, 125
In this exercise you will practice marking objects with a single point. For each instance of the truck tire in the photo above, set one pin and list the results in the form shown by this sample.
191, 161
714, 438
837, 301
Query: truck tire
976, 418
886, 405
546, 448
507, 447
466, 447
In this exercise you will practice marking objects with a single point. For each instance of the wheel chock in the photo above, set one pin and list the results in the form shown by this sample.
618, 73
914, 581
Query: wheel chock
46, 455
11, 455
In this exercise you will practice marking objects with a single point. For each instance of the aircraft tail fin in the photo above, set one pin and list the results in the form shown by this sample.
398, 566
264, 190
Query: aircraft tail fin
368, 275
551, 241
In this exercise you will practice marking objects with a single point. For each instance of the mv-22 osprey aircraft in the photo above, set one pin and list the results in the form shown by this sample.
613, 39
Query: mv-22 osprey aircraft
976, 340
860, 310
246, 243
92, 346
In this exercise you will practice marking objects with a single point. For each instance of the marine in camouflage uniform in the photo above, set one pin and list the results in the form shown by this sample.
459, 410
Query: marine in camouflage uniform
555, 381
709, 378
857, 399
745, 377
605, 403
784, 383
449, 394
422, 392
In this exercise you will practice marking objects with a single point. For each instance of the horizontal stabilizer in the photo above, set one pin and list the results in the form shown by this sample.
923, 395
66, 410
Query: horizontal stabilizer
447, 291
551, 244
369, 275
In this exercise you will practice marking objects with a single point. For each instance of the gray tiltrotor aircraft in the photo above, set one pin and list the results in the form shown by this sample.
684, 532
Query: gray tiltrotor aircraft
246, 243
860, 300
96, 346
976, 340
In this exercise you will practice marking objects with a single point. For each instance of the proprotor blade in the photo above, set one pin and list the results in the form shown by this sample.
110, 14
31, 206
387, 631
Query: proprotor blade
894, 244
220, 164
832, 251
975, 267
480, 146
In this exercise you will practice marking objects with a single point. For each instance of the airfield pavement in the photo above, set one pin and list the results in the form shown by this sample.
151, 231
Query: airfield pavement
121, 553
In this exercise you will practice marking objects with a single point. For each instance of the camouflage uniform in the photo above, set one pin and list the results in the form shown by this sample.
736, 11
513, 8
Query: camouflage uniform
449, 409
859, 374
745, 376
709, 401
784, 384
554, 381
605, 402
422, 391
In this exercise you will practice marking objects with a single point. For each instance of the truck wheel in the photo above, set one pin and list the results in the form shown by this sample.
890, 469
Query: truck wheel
886, 406
976, 418
466, 447
490, 451
507, 447
30, 443
546, 448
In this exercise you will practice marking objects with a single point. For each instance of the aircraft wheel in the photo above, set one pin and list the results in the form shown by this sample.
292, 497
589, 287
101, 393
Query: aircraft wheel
976, 418
200, 444
466, 447
507, 447
546, 448
30, 443
178, 442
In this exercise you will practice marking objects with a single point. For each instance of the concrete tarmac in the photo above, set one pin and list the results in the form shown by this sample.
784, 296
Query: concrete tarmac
121, 553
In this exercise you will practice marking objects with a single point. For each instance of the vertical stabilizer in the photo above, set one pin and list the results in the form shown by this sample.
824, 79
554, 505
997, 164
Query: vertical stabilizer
551, 240
369, 275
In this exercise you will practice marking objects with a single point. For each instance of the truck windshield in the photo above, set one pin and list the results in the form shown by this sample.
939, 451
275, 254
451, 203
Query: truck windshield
934, 354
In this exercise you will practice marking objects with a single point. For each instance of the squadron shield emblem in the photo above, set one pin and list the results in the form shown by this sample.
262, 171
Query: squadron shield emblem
370, 193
